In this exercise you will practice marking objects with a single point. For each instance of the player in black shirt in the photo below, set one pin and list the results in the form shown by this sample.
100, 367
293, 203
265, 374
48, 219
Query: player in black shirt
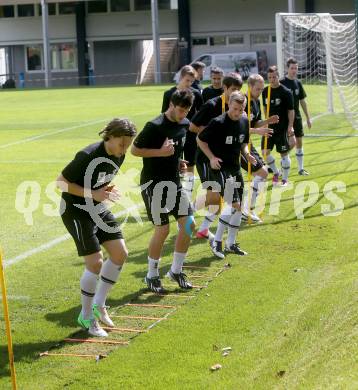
299, 95
161, 143
187, 76
256, 84
281, 104
216, 87
85, 183
222, 141
200, 70
211, 109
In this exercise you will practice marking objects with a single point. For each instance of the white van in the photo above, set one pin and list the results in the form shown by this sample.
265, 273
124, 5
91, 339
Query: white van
244, 62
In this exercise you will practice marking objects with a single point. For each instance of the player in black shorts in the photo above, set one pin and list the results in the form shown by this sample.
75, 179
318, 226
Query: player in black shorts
222, 141
85, 183
216, 87
187, 77
281, 104
299, 95
256, 84
161, 143
200, 70
211, 109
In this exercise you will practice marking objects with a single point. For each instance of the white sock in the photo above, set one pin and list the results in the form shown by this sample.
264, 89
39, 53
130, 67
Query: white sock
178, 261
107, 278
286, 165
188, 184
224, 220
271, 163
235, 222
299, 156
255, 189
153, 268
208, 220
88, 288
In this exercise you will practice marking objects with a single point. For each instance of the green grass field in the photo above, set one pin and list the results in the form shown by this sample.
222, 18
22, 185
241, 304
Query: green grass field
289, 310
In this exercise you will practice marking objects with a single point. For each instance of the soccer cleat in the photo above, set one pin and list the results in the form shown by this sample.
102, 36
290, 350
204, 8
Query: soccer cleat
217, 249
206, 233
284, 183
154, 284
95, 329
275, 179
180, 278
303, 172
235, 248
254, 217
101, 314
85, 324
269, 170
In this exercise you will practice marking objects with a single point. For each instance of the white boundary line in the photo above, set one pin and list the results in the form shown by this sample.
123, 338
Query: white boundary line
327, 134
57, 240
22, 141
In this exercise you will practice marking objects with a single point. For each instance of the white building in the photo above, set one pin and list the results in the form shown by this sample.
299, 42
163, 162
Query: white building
110, 37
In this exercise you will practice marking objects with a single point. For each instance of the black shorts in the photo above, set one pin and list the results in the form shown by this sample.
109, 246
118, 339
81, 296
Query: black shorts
190, 147
203, 168
88, 234
161, 201
298, 127
226, 178
279, 139
254, 168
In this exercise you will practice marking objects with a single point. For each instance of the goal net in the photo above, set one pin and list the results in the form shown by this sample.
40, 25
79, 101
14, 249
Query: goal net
325, 47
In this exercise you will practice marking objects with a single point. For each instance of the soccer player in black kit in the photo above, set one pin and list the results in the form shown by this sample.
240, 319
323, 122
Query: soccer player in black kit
222, 141
187, 77
160, 144
299, 95
216, 87
85, 185
281, 104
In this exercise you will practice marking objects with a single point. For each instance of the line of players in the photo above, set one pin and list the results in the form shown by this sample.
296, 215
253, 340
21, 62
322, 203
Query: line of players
212, 130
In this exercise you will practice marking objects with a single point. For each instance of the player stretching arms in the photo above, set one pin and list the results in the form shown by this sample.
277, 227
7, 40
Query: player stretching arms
85, 185
160, 144
281, 104
299, 95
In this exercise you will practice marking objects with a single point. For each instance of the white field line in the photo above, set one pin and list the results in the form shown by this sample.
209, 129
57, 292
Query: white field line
56, 241
22, 141
326, 134
17, 298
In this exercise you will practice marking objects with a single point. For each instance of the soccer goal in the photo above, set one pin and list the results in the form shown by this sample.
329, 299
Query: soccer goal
325, 47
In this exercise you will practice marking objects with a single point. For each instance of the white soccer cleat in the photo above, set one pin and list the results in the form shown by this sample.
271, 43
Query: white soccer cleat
95, 329
101, 314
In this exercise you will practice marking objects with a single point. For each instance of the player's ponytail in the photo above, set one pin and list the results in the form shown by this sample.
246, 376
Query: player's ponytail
118, 127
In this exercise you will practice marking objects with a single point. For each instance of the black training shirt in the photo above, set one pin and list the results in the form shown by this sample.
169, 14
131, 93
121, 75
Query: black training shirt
209, 110
281, 101
225, 138
102, 173
152, 137
295, 86
255, 111
197, 103
211, 92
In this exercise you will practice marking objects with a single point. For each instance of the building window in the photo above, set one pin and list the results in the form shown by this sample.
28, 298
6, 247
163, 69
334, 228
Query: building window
25, 10
218, 40
51, 9
236, 40
99, 6
120, 5
67, 8
141, 5
164, 4
63, 56
34, 58
200, 41
273, 38
7, 11
257, 39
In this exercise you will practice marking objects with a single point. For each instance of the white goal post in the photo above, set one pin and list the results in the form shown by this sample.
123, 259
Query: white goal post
325, 47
